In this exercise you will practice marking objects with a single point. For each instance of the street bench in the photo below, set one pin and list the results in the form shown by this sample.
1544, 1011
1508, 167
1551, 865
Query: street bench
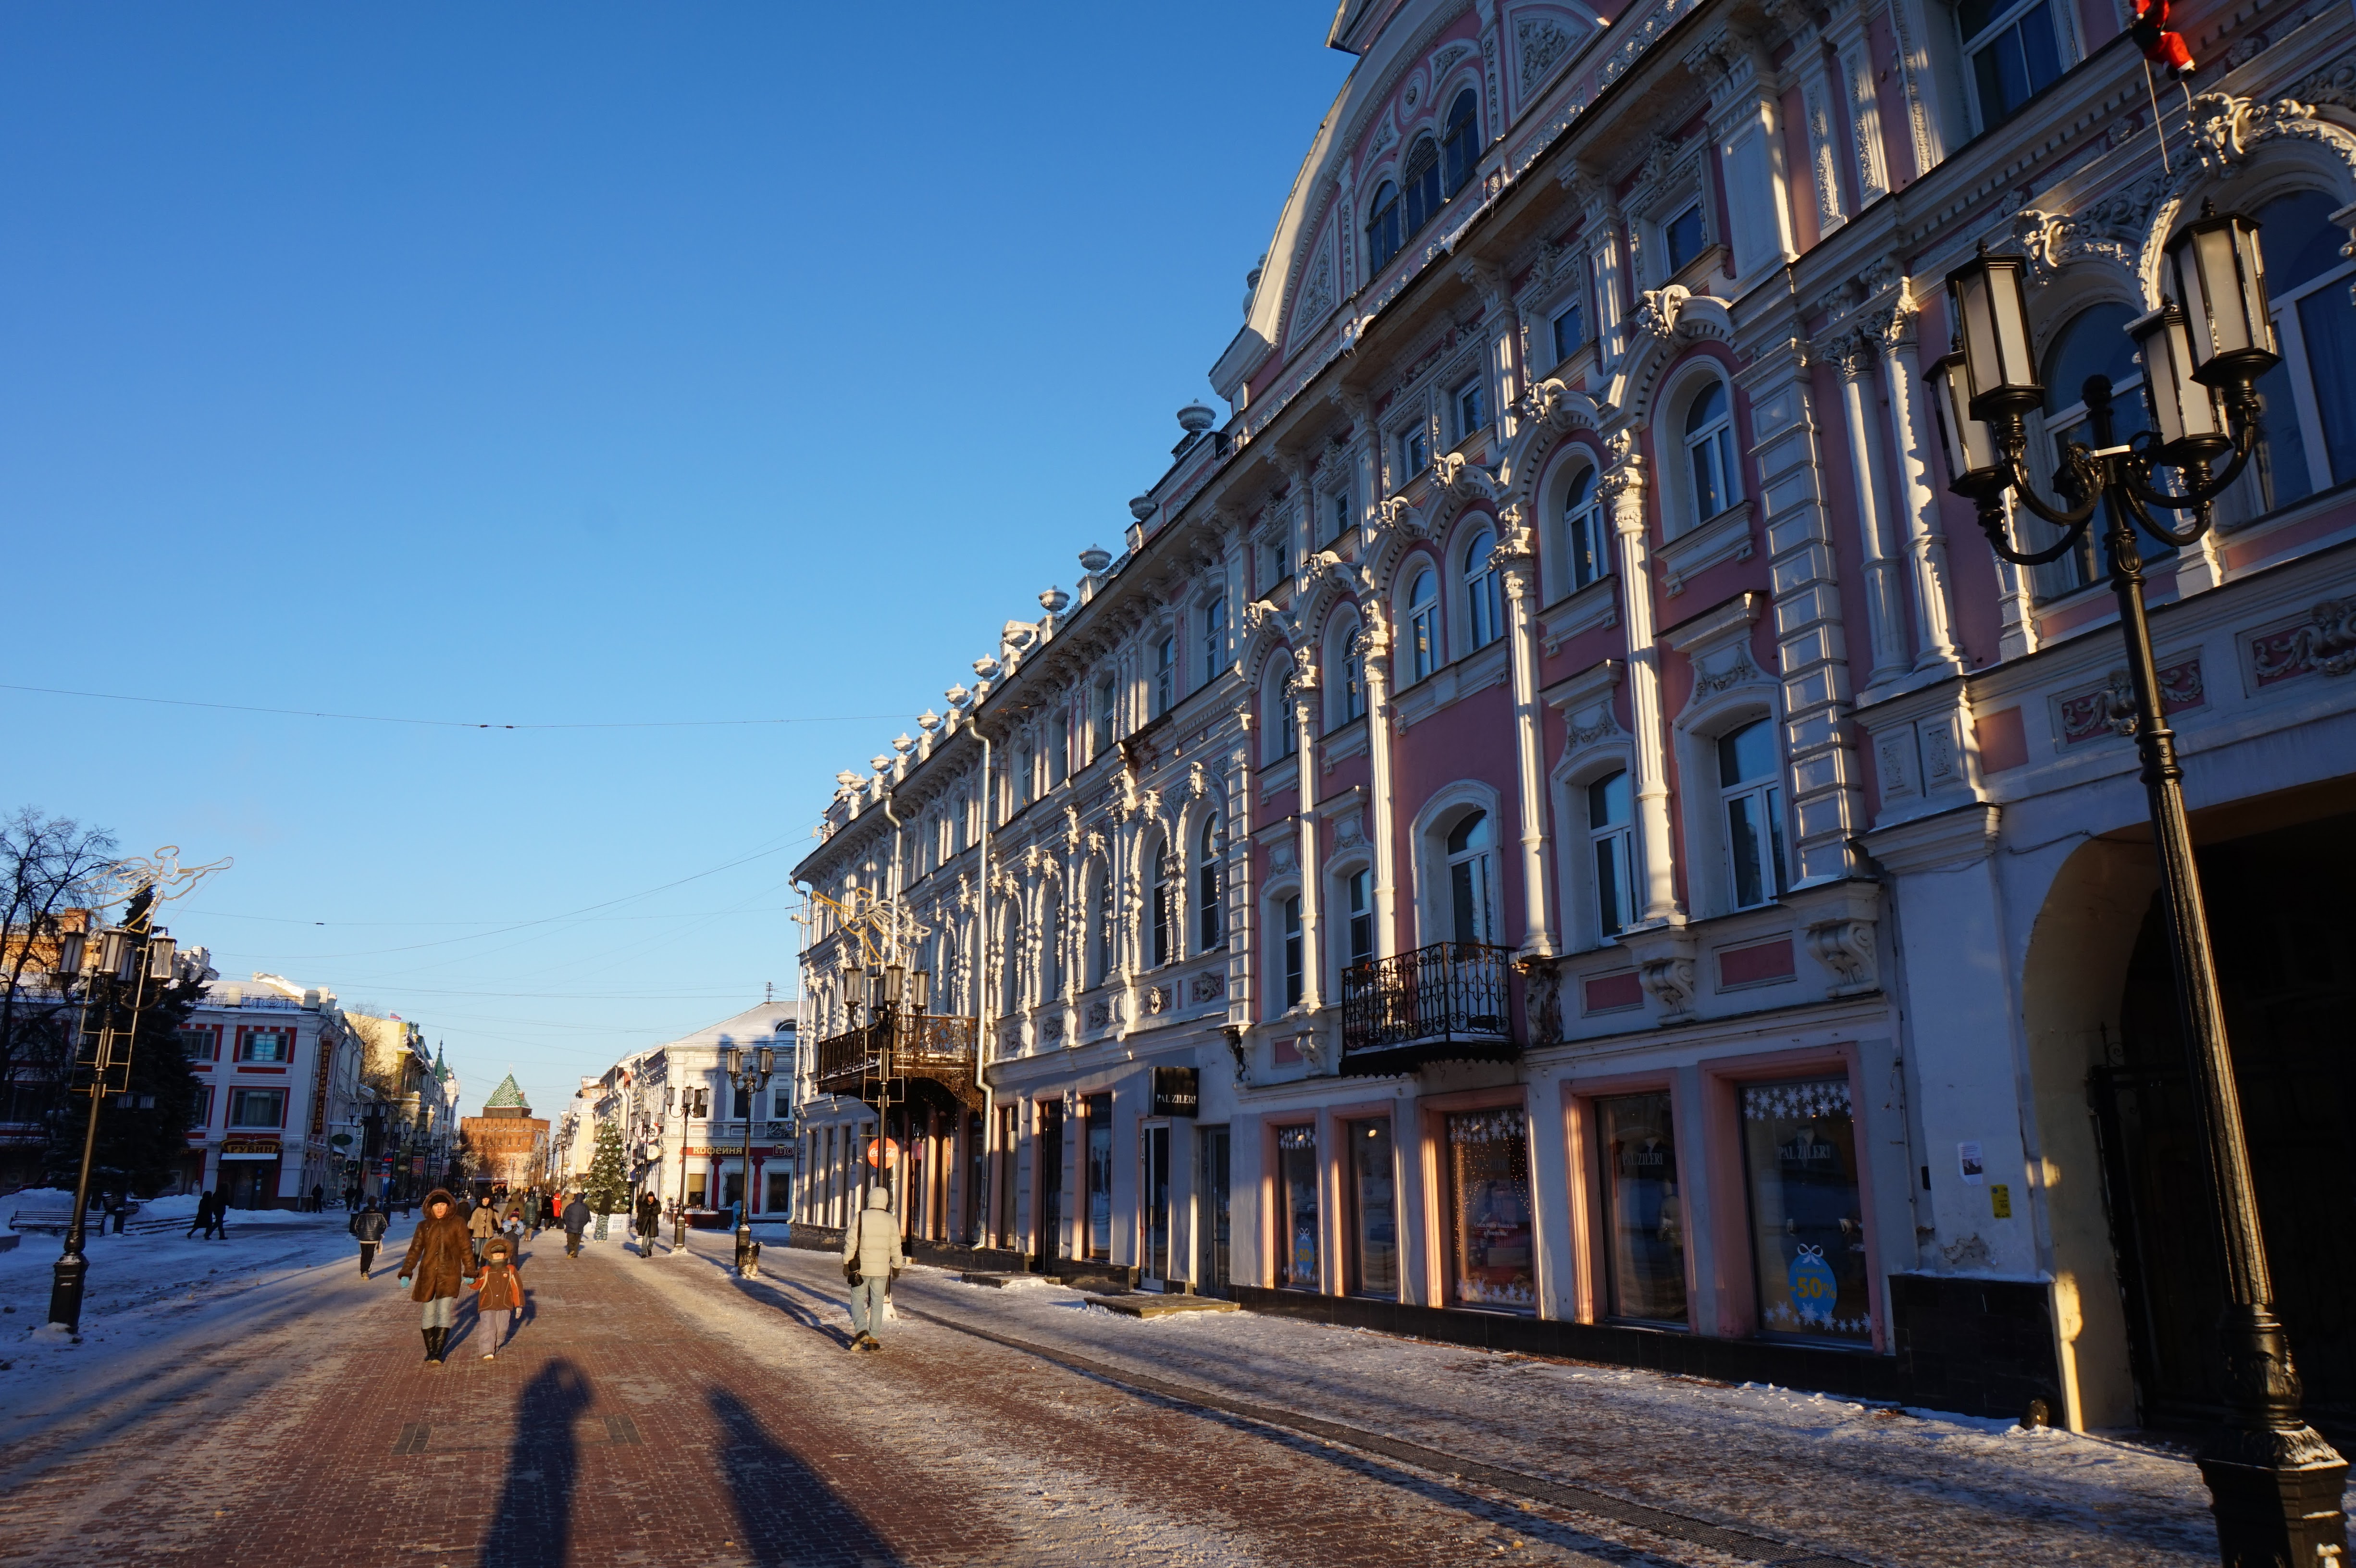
46, 1221
54, 1221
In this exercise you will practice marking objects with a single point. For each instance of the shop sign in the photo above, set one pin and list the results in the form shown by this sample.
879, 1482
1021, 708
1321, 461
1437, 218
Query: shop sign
1177, 1091
237, 1148
417, 1165
882, 1151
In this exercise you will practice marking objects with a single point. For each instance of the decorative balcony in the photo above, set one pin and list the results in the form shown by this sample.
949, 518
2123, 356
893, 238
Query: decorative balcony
928, 1047
1448, 1002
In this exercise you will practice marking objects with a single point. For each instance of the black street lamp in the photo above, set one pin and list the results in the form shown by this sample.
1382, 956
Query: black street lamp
2273, 1483
692, 1103
750, 1074
124, 958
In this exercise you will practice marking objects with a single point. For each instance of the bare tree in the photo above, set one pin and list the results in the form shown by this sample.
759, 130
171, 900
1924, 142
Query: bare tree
52, 872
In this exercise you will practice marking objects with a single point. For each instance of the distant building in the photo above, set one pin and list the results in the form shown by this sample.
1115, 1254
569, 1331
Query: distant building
701, 1158
509, 1144
279, 1071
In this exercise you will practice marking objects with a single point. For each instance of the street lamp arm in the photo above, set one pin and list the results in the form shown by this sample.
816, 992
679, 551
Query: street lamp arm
2082, 467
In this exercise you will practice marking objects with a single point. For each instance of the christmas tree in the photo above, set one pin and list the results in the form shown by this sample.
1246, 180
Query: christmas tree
608, 1187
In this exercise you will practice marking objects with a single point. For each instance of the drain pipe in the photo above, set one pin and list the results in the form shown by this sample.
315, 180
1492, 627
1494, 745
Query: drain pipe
981, 984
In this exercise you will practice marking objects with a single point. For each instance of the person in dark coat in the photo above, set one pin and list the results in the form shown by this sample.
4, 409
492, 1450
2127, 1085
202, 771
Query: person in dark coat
368, 1226
441, 1257
649, 1222
576, 1219
498, 1298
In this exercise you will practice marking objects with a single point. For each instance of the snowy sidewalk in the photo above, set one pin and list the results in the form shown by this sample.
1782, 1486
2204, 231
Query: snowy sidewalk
1877, 1485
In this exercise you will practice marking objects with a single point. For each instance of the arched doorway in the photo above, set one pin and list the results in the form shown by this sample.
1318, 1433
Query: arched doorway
2285, 935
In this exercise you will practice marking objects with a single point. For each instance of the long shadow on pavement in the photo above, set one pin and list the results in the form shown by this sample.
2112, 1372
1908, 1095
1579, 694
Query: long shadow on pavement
533, 1527
785, 1514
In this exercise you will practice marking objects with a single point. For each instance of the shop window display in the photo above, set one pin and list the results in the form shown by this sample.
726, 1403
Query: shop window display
1296, 1166
1489, 1163
1807, 1221
1373, 1195
1643, 1212
1098, 1110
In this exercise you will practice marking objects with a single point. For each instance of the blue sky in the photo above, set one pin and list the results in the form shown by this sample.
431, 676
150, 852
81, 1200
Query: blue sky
586, 366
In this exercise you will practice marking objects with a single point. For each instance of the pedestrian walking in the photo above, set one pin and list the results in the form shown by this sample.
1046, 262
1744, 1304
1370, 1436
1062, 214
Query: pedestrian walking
871, 1255
368, 1225
499, 1295
480, 1225
212, 1218
535, 1212
649, 1222
576, 1219
318, 1199
440, 1258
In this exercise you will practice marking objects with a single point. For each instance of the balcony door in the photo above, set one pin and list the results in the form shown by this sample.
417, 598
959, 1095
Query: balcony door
1471, 874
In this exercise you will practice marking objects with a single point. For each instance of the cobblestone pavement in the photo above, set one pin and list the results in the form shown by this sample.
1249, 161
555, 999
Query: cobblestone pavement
658, 1411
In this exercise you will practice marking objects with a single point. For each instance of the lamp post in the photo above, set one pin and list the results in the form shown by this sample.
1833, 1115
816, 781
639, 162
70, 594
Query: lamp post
2273, 1483
693, 1102
125, 957
749, 1071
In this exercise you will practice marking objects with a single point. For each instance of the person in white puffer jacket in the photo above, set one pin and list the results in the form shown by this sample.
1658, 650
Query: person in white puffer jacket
872, 1241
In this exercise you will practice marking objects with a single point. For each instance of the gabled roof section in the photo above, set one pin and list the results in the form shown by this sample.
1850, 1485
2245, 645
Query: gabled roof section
509, 1092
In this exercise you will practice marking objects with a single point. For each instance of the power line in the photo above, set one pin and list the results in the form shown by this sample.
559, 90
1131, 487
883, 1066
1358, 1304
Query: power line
455, 723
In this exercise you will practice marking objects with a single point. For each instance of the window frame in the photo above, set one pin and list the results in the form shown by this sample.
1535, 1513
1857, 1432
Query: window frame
1165, 673
1484, 603
242, 1094
1696, 209
1719, 439
1584, 539
1469, 405
1768, 795
1616, 839
1414, 452
1422, 624
1215, 635
2006, 18
1459, 142
1210, 887
1385, 235
1480, 864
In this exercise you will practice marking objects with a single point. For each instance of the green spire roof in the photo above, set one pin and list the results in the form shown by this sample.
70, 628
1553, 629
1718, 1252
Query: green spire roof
441, 1068
507, 1093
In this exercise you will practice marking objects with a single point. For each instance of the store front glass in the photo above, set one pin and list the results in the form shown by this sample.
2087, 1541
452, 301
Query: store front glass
1489, 1170
1157, 1202
1050, 1155
1643, 1215
1098, 1108
1211, 1274
1373, 1193
1297, 1210
1808, 1224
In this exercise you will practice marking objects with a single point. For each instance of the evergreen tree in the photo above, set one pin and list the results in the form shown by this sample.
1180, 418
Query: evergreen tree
141, 1131
608, 1187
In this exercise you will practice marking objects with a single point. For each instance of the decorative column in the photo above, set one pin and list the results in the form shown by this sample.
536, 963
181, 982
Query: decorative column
2016, 610
1301, 689
1501, 331
1517, 561
1606, 260
1885, 620
1864, 108
1372, 645
1623, 488
1815, 104
1242, 928
1926, 553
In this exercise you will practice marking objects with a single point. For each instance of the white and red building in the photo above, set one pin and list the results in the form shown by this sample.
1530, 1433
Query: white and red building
280, 1078
1556, 830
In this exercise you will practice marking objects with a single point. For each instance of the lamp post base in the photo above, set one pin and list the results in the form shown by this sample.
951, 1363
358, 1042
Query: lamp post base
748, 1252
2284, 1511
67, 1277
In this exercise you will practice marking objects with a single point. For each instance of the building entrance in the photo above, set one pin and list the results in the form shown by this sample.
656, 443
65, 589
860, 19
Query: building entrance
2285, 945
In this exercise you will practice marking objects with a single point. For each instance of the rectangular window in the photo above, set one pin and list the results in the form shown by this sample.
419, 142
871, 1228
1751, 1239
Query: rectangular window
1165, 675
781, 1193
1298, 1210
1373, 1188
1354, 684
1361, 918
1157, 1202
199, 1044
257, 1108
1059, 750
1415, 455
1098, 1109
1489, 1170
2014, 53
1569, 331
1211, 1228
1049, 1148
1643, 1217
1273, 565
1611, 827
1106, 700
269, 1045
1682, 239
1471, 409
1292, 951
1808, 1224
1340, 520
201, 1114
1214, 639
1749, 776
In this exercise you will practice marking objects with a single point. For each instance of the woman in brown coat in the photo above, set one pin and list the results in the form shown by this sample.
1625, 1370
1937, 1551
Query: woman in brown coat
500, 1299
440, 1258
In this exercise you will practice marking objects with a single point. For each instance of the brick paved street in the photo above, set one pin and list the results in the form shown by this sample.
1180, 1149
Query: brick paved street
659, 1411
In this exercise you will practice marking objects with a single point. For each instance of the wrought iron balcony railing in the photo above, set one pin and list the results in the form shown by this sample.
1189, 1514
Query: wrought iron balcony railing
937, 1046
1451, 1001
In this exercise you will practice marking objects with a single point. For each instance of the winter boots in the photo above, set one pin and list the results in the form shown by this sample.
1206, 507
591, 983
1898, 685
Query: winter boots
433, 1338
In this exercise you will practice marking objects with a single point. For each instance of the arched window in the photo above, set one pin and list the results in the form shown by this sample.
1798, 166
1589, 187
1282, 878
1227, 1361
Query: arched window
1009, 1000
1215, 637
2309, 435
1471, 871
950, 994
1346, 693
1584, 547
1165, 675
1422, 180
1210, 902
1423, 624
1482, 616
2094, 343
1165, 914
1460, 148
1280, 737
1751, 782
1104, 961
1709, 448
1383, 236
1051, 956
1612, 834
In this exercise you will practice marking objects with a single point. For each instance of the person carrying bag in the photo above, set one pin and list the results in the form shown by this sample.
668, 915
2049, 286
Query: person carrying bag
871, 1255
